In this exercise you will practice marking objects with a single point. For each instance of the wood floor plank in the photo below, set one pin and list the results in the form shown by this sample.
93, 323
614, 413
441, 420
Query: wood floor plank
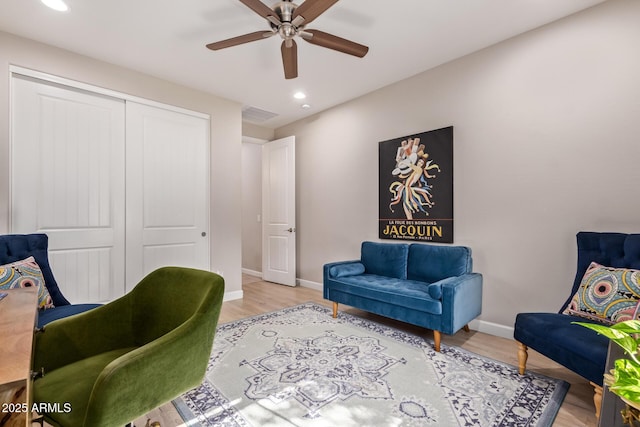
263, 297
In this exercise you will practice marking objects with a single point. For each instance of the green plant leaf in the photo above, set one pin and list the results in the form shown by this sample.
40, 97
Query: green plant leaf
626, 382
607, 331
628, 367
628, 326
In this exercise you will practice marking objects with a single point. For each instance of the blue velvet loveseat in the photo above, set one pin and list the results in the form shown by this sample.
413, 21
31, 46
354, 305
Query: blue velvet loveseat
431, 286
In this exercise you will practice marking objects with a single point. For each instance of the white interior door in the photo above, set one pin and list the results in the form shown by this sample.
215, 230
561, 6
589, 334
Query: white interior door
67, 180
279, 211
167, 190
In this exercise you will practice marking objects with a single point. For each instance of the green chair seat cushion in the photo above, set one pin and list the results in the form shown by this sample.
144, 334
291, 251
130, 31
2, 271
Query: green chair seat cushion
71, 384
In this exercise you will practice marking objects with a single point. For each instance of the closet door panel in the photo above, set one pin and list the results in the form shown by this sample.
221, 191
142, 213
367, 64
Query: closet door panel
68, 150
167, 190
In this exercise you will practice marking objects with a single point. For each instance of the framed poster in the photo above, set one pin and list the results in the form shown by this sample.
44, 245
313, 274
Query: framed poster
416, 187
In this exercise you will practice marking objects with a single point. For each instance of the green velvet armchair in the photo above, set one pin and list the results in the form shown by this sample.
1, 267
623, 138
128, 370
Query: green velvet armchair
110, 365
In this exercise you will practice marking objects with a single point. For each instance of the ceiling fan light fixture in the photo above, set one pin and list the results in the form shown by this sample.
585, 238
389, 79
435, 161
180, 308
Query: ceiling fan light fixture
58, 5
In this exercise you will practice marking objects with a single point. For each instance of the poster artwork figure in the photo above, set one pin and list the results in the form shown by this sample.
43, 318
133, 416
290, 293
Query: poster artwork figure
411, 188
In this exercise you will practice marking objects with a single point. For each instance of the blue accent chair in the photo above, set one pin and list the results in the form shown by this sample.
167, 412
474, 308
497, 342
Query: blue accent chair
431, 286
579, 349
16, 247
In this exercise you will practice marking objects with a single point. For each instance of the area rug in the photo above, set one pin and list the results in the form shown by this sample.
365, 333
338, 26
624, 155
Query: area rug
301, 367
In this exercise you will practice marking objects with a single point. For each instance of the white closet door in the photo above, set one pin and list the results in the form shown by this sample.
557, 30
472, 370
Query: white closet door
167, 190
68, 149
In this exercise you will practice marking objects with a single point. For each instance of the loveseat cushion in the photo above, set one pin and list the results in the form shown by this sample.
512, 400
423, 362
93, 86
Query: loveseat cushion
405, 293
347, 269
431, 263
385, 259
573, 346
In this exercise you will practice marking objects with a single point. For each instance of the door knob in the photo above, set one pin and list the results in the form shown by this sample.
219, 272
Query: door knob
203, 234
290, 229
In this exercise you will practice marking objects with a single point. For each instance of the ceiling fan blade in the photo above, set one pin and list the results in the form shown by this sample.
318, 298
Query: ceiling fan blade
290, 59
330, 41
234, 41
263, 10
310, 10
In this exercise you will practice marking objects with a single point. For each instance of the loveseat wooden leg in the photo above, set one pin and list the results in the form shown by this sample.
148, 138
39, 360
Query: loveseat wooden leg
335, 310
466, 328
597, 398
437, 337
522, 357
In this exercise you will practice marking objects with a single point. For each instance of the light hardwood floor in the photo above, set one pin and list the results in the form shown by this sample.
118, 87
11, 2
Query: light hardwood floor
261, 297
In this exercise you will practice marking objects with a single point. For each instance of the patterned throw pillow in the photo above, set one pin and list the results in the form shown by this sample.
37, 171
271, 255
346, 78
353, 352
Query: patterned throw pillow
607, 295
24, 274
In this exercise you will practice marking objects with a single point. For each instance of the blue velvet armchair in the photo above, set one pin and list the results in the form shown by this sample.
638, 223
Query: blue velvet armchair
552, 334
16, 247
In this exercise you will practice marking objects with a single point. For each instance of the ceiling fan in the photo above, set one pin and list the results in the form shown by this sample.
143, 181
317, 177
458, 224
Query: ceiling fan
289, 20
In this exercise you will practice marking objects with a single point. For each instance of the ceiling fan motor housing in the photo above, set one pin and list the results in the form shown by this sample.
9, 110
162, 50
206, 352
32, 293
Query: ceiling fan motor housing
284, 10
286, 29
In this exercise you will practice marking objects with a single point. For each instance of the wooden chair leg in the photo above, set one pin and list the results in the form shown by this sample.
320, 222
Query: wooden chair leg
597, 398
335, 310
522, 357
437, 337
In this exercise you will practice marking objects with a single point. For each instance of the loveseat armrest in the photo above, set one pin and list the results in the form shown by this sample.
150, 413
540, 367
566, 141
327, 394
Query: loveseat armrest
341, 267
335, 270
461, 301
329, 269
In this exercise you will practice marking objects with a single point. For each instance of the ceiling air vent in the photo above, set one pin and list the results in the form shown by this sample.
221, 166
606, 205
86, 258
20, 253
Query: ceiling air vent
256, 115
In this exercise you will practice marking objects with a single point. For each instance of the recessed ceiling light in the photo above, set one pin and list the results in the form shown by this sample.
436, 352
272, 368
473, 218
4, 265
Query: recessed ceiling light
305, 106
58, 5
299, 95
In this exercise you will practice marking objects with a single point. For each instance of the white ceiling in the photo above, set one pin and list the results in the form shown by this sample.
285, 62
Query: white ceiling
167, 38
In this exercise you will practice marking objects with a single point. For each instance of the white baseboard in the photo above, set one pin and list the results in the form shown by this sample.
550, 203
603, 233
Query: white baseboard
252, 272
309, 284
230, 296
491, 328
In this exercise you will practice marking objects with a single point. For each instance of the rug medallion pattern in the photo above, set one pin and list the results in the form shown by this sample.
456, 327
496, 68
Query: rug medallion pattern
301, 367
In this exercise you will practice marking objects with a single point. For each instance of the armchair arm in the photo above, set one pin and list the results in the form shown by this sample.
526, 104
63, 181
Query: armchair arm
156, 372
77, 337
461, 301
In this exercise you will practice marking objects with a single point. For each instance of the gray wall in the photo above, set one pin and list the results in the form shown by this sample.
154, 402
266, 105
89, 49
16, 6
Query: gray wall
251, 206
226, 135
546, 137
